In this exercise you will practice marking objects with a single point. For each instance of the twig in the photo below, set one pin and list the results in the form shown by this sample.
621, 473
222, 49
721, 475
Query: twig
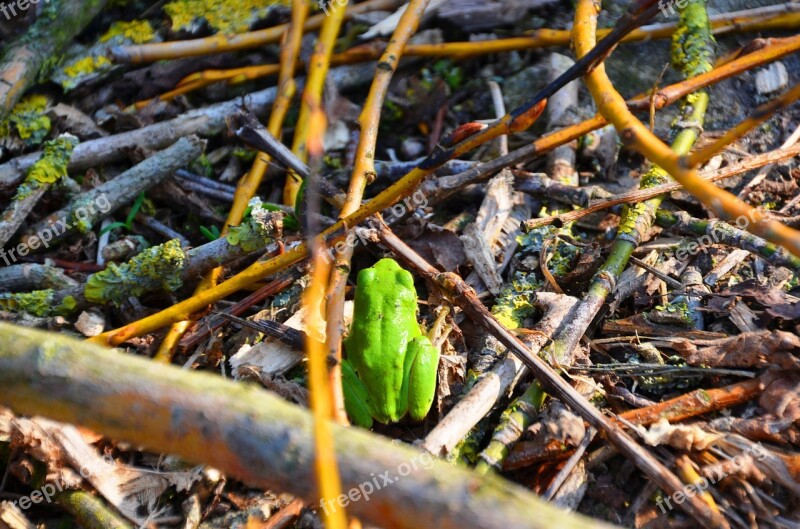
31, 276
81, 213
321, 396
319, 63
573, 460
165, 266
748, 164
697, 402
718, 231
51, 168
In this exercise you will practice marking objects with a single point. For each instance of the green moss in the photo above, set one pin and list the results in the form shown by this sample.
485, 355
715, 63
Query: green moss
654, 177
50, 168
677, 310
256, 232
27, 120
157, 268
245, 155
39, 303
221, 16
630, 217
561, 255
692, 42
202, 166
83, 222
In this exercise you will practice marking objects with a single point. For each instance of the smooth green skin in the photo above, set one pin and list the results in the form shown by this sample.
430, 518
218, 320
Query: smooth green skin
390, 369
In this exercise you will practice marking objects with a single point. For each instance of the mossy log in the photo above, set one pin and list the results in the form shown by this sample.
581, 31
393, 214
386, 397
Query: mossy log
253, 435
31, 57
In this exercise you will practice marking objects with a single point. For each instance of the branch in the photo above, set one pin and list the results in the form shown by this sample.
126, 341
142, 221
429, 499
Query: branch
30, 57
253, 435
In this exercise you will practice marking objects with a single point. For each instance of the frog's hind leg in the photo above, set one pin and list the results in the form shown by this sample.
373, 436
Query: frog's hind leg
422, 377
356, 397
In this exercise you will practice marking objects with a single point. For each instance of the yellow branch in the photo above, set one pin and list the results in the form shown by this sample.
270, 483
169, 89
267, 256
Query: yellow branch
320, 391
636, 135
312, 94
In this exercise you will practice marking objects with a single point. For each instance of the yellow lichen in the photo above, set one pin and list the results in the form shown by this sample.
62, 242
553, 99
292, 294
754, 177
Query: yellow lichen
135, 31
88, 62
86, 66
28, 119
39, 303
224, 17
159, 267
51, 167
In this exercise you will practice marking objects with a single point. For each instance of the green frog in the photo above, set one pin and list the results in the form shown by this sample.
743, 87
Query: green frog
390, 366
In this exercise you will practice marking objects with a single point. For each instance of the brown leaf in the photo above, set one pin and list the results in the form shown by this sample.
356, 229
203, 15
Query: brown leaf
777, 302
780, 397
442, 247
757, 349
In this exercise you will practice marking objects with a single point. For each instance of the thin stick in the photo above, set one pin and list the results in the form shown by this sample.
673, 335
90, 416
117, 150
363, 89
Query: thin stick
748, 164
327, 469
223, 43
319, 63
697, 402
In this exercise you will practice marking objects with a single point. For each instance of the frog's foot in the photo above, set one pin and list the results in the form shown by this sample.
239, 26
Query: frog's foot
356, 397
422, 377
